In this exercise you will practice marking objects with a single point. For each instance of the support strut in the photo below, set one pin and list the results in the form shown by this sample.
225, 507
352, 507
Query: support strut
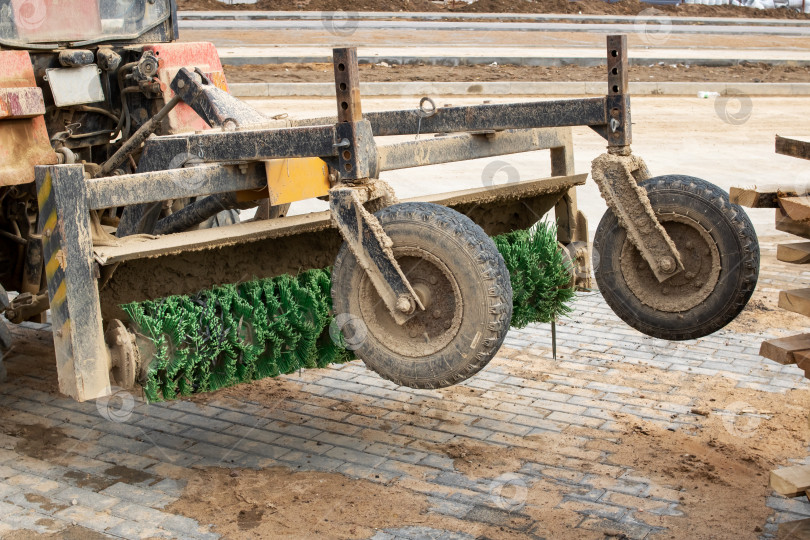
618, 172
357, 163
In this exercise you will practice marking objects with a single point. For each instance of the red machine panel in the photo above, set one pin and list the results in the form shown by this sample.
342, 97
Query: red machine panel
24, 143
173, 57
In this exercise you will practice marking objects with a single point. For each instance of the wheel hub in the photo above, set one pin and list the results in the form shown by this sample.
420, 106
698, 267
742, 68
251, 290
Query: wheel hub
701, 262
426, 331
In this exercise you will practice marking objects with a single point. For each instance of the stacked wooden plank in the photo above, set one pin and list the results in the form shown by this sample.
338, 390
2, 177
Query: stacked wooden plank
792, 206
792, 482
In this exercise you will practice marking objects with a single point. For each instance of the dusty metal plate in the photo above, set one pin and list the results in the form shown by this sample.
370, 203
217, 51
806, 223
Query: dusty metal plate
75, 86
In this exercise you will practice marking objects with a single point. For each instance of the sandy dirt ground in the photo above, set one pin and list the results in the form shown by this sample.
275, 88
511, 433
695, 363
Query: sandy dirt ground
756, 73
491, 38
703, 466
712, 470
589, 7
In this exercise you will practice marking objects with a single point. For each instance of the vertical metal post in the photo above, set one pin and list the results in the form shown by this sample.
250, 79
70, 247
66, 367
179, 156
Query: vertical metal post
82, 359
357, 156
562, 164
618, 99
347, 84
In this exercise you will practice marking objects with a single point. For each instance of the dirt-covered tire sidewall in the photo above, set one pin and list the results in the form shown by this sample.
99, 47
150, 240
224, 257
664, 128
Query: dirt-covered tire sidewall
729, 228
482, 278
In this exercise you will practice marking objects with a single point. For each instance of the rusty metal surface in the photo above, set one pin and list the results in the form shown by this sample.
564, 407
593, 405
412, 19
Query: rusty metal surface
173, 57
618, 131
23, 142
617, 177
18, 103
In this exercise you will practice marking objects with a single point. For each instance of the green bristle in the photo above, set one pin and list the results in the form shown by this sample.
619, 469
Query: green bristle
263, 328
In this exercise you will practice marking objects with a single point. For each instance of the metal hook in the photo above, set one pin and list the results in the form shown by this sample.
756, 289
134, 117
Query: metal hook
424, 112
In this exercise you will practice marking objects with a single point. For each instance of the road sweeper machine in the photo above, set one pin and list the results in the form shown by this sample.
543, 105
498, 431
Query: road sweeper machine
124, 162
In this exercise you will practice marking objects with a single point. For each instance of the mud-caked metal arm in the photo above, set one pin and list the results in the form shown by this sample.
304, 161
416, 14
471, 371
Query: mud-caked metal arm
357, 165
618, 173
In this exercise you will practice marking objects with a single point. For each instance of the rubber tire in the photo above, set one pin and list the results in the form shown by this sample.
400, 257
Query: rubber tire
483, 282
730, 229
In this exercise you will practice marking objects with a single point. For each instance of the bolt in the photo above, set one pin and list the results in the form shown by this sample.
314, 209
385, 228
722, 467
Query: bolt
666, 264
689, 245
413, 333
433, 280
181, 84
690, 275
404, 304
664, 291
437, 314
448, 324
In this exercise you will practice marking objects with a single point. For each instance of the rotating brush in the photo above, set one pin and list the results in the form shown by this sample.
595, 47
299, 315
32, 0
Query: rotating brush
264, 328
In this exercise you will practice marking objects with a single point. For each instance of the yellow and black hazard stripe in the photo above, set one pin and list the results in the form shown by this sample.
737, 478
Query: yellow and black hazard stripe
52, 250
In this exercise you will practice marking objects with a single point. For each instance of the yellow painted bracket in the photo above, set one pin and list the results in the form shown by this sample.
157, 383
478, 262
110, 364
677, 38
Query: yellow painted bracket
292, 179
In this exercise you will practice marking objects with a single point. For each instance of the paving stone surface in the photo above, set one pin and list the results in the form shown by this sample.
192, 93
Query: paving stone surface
118, 473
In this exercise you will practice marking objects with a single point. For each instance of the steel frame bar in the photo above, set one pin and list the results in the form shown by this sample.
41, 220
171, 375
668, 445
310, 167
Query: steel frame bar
466, 146
115, 191
162, 153
493, 117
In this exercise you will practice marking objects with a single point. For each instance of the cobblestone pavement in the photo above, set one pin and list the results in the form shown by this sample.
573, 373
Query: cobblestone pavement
118, 469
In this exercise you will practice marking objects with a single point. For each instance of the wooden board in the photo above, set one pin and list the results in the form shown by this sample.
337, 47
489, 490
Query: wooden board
793, 146
794, 530
783, 350
797, 301
791, 481
796, 253
785, 224
802, 359
796, 208
763, 196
